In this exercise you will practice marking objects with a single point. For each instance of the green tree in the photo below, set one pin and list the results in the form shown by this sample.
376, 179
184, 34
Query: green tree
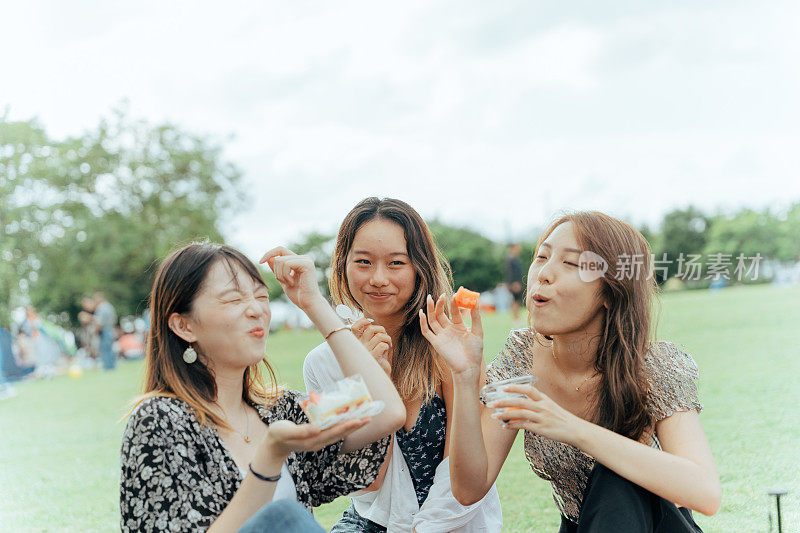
683, 231
319, 246
477, 261
746, 232
788, 248
100, 210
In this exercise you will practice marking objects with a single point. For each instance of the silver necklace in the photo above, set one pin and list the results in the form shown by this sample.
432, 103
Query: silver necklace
555, 358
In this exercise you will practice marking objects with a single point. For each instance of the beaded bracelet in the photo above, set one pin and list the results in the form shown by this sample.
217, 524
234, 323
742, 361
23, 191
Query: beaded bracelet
271, 479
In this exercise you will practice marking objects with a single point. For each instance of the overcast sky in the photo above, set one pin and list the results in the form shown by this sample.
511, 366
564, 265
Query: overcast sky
490, 114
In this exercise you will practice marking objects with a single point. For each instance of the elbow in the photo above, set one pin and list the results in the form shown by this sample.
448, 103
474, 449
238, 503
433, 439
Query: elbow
396, 417
713, 504
712, 501
465, 497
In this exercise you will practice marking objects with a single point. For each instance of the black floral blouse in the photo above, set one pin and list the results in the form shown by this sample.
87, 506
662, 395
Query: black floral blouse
423, 446
176, 475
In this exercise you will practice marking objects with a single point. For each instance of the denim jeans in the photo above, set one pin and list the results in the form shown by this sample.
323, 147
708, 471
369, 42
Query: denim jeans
284, 516
107, 348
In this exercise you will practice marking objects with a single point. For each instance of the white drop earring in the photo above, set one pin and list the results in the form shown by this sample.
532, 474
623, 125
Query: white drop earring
189, 355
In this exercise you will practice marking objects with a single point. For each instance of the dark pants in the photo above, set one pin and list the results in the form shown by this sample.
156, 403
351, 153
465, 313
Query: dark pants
107, 348
283, 516
611, 503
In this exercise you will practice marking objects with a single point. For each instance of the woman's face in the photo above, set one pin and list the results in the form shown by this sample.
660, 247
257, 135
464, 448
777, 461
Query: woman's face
230, 317
379, 272
558, 300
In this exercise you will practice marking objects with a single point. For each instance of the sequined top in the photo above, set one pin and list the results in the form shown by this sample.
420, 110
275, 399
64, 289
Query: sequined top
671, 375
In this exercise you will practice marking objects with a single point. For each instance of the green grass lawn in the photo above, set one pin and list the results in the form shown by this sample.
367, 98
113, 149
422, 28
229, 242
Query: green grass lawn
59, 439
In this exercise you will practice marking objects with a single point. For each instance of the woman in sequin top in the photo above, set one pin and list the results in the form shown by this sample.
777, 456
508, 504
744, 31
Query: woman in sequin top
611, 409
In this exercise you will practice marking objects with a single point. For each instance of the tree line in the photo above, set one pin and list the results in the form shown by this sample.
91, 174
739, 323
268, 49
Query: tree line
98, 211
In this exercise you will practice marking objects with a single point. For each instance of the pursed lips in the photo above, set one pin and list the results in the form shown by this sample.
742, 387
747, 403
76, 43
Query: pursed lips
540, 300
256, 332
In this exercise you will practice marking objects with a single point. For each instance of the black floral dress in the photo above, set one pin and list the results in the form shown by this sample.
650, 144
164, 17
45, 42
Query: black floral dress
176, 475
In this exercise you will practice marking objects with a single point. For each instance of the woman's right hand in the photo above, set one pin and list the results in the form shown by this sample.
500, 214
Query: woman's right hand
461, 348
296, 274
284, 437
376, 340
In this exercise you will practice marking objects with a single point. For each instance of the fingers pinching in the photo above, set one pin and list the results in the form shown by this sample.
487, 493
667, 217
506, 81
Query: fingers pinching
358, 326
275, 252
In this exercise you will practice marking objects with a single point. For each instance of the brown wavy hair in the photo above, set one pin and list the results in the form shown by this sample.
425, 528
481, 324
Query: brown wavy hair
416, 368
179, 279
628, 326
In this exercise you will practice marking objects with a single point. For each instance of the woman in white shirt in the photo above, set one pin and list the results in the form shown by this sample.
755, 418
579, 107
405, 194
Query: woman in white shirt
384, 264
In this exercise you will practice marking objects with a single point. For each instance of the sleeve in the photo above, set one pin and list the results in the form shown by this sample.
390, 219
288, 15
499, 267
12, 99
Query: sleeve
672, 374
158, 477
441, 512
320, 368
515, 357
330, 474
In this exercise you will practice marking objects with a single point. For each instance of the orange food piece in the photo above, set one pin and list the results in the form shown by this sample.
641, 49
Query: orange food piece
313, 397
465, 298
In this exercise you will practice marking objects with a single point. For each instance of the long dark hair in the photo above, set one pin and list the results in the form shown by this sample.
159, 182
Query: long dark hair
179, 279
621, 398
416, 369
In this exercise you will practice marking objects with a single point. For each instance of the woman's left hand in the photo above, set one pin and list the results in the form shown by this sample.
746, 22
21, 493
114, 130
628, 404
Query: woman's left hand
537, 413
296, 274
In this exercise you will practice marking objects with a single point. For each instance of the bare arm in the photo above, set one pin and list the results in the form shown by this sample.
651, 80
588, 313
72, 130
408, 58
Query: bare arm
683, 473
297, 276
478, 445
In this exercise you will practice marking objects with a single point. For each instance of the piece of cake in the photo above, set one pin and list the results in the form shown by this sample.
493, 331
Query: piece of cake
465, 298
341, 402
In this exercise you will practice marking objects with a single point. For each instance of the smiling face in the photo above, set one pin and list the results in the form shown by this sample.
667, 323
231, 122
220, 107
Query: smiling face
230, 316
379, 272
558, 300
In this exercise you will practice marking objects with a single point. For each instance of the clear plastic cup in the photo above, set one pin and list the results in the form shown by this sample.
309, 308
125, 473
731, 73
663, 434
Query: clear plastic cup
493, 392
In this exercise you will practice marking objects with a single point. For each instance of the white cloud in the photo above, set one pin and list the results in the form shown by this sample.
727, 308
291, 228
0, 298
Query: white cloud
494, 115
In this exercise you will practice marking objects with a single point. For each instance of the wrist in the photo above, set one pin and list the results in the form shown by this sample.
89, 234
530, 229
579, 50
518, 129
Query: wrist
581, 433
316, 306
272, 454
469, 376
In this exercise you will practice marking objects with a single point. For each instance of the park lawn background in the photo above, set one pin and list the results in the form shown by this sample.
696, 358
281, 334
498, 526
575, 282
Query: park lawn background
59, 439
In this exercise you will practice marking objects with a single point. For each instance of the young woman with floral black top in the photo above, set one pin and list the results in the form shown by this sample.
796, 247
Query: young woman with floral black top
209, 444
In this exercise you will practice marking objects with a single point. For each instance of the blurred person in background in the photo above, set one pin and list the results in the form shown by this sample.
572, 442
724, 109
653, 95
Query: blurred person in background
105, 318
513, 279
87, 332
